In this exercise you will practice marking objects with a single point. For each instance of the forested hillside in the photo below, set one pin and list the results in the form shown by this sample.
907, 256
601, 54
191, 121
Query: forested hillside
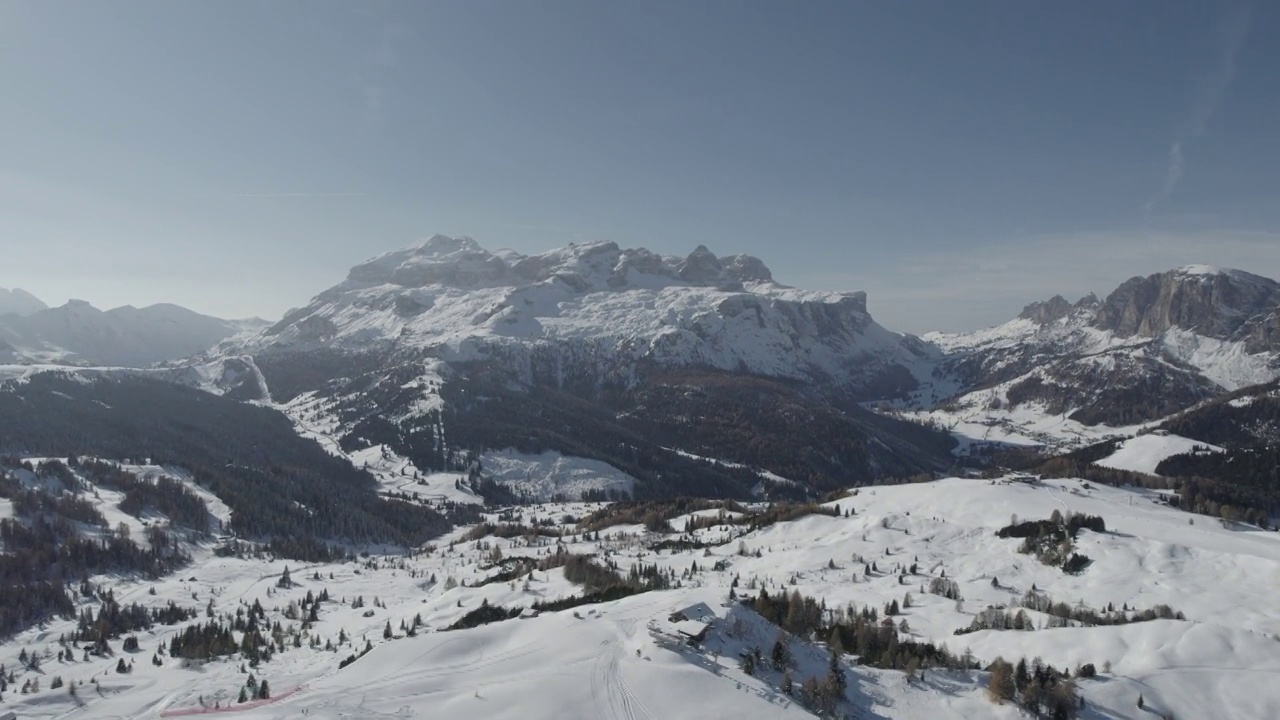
279, 486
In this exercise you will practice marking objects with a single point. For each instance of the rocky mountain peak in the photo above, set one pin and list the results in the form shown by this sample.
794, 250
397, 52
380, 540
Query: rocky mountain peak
464, 264
700, 267
1213, 302
1047, 311
1087, 301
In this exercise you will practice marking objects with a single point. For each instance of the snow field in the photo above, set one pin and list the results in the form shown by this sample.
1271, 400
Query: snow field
583, 663
1145, 452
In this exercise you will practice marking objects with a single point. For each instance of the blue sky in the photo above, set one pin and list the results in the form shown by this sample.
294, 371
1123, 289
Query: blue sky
954, 159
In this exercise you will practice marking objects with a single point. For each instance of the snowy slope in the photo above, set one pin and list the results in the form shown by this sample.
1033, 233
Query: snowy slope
611, 660
1145, 452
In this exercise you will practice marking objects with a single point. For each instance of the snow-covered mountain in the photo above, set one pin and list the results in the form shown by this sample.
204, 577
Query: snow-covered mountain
79, 333
1154, 346
692, 374
19, 302
463, 302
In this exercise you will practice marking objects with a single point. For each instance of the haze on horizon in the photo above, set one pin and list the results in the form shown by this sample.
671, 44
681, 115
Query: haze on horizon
954, 160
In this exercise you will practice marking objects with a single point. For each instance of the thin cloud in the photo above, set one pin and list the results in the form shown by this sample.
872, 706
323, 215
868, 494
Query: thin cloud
1207, 98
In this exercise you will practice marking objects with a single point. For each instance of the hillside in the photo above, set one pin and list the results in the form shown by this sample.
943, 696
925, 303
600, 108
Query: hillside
282, 488
625, 658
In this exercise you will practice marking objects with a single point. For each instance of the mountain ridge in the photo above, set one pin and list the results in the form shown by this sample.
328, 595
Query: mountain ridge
455, 297
17, 301
79, 333
1154, 346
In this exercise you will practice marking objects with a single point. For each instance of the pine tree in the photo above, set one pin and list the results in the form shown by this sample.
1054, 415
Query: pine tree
264, 691
1020, 676
780, 656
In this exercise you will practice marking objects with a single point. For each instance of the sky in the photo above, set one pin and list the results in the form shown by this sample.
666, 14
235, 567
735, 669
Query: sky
956, 160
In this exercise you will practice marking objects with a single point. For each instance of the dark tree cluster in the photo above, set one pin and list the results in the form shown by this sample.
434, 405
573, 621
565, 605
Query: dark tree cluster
1051, 541
217, 638
508, 531
654, 515
1037, 600
23, 604
166, 496
860, 632
1056, 526
46, 546
1041, 690
484, 615
35, 503
204, 641
580, 570
113, 620
1237, 486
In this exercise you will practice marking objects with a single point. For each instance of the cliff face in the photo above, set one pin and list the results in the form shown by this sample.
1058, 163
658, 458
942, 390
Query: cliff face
1220, 304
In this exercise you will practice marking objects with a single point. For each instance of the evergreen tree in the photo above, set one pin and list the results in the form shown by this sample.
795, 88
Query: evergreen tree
780, 656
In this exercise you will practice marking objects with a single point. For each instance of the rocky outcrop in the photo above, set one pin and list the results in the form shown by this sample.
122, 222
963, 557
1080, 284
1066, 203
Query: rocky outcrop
1220, 304
1043, 313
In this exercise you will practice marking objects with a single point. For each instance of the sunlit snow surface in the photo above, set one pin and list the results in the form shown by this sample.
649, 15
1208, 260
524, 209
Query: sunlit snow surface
585, 664
1144, 452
